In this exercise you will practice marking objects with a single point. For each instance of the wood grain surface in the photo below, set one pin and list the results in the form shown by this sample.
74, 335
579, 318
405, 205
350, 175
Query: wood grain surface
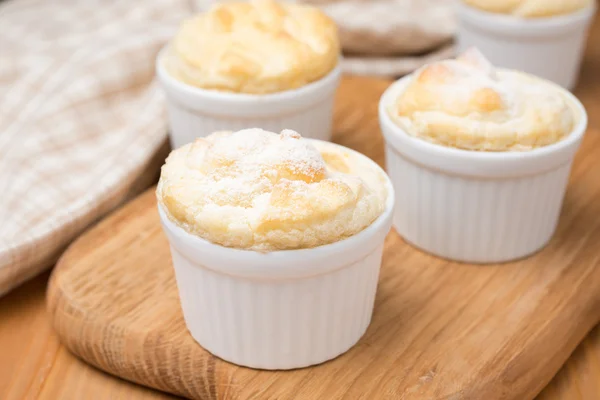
440, 330
34, 365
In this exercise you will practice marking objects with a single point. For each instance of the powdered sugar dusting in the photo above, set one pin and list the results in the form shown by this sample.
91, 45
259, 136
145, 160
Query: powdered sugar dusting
260, 190
242, 165
470, 72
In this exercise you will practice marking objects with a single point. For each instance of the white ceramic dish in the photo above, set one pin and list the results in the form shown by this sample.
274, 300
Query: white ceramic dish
551, 48
472, 206
279, 310
195, 112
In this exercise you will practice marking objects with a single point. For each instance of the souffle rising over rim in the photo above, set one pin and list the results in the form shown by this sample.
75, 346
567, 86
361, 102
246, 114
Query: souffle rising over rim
262, 191
468, 104
531, 8
255, 47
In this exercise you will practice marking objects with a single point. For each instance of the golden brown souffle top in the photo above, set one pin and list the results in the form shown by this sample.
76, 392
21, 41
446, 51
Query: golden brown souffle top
469, 104
256, 47
262, 191
530, 8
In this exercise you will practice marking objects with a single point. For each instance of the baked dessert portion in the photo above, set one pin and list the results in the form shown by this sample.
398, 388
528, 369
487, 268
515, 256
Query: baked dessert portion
262, 191
530, 8
468, 104
258, 47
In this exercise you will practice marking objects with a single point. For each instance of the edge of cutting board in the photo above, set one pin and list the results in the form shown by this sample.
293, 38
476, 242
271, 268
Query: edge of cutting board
440, 330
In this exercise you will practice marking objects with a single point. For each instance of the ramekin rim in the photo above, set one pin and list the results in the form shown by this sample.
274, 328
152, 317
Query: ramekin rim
575, 135
244, 98
535, 22
277, 258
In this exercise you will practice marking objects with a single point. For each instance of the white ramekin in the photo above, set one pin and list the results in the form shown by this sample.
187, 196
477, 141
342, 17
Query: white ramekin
551, 48
471, 206
278, 310
195, 112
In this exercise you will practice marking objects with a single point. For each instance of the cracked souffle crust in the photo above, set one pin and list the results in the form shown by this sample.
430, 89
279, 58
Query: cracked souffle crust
466, 103
258, 47
262, 191
530, 8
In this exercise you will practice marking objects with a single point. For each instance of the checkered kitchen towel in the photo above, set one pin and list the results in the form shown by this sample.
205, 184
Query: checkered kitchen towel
82, 124
80, 118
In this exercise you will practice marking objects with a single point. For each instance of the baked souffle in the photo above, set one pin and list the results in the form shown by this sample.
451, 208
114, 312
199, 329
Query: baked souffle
468, 104
262, 191
530, 8
255, 47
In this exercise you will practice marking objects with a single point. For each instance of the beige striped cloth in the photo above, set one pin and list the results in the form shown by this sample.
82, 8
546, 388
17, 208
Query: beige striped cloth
82, 123
80, 119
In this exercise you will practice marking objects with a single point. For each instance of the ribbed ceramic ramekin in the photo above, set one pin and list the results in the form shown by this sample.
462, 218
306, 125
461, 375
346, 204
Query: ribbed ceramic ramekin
476, 206
195, 112
551, 47
279, 310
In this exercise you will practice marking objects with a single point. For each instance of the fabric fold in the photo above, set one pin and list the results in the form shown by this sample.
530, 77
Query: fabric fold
82, 122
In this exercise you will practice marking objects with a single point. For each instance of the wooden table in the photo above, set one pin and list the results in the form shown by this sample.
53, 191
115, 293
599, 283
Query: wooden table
34, 365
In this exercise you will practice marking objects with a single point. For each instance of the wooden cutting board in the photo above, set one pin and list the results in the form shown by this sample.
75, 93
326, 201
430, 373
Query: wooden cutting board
440, 330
